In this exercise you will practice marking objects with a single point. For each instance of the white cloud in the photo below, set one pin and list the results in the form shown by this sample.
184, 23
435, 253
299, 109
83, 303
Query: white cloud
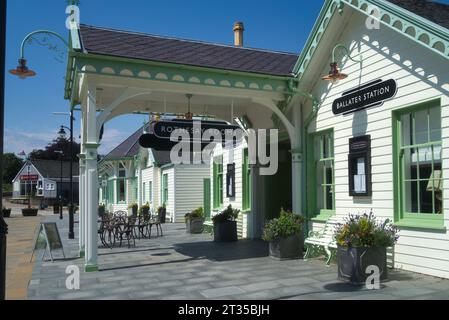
111, 139
18, 140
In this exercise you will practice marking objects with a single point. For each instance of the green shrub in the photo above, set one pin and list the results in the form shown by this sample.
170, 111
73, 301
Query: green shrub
364, 231
228, 214
287, 225
197, 213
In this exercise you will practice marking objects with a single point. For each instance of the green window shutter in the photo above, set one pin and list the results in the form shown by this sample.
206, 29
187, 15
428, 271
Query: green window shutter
215, 178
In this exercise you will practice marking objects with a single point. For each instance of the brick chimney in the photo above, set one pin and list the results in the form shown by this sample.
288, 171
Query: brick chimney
238, 34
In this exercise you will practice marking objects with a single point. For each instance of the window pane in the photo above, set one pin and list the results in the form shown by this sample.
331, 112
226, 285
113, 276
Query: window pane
421, 127
411, 196
329, 198
406, 129
121, 190
435, 124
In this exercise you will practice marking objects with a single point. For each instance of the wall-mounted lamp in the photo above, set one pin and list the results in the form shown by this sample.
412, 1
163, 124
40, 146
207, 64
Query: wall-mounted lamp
335, 74
22, 70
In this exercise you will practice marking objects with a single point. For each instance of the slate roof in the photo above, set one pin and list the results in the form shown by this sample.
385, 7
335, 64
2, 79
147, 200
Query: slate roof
52, 168
431, 10
148, 47
130, 148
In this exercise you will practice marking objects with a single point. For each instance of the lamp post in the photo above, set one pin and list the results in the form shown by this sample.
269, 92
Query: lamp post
61, 153
62, 133
3, 225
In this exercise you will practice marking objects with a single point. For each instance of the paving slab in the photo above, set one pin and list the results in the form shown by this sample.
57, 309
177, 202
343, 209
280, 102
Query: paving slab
193, 267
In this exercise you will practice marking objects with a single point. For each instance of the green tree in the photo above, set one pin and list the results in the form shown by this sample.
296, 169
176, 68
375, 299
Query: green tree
11, 166
59, 144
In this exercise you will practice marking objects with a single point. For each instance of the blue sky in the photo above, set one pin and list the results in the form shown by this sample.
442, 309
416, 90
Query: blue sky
271, 24
29, 123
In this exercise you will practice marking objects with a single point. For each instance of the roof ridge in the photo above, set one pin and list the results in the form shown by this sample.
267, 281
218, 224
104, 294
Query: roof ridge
190, 40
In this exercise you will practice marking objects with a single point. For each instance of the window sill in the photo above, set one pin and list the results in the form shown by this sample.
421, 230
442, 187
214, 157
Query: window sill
437, 225
323, 217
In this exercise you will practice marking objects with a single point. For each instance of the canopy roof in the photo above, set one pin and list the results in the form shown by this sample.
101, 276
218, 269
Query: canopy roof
126, 44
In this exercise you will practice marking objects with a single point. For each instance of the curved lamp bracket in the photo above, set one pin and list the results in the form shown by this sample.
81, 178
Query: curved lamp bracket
47, 32
342, 47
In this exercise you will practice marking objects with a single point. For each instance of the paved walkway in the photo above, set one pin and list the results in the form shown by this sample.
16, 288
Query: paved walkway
19, 247
192, 267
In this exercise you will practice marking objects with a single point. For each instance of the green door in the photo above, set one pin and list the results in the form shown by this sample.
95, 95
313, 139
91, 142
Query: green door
206, 198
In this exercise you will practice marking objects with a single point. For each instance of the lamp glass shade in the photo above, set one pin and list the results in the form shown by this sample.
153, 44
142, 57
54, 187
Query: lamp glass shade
22, 70
334, 74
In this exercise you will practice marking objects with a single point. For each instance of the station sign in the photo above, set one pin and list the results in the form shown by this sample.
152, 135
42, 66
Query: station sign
373, 94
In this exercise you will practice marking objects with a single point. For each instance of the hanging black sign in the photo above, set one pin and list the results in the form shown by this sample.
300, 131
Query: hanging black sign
164, 129
149, 140
369, 95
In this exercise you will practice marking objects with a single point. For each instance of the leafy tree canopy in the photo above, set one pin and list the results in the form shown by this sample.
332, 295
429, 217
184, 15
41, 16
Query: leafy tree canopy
51, 150
11, 166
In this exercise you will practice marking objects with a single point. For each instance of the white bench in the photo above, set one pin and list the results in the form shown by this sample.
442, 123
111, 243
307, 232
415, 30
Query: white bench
323, 239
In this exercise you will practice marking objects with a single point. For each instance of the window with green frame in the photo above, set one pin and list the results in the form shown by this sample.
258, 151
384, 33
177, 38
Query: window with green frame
418, 165
150, 191
144, 191
110, 192
121, 184
321, 174
246, 182
218, 182
165, 189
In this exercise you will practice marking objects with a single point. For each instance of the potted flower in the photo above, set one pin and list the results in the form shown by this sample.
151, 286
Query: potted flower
6, 212
225, 225
195, 221
284, 236
144, 210
362, 242
101, 209
134, 207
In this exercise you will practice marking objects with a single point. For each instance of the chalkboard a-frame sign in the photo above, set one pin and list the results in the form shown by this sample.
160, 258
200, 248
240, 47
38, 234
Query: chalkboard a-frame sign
372, 94
50, 232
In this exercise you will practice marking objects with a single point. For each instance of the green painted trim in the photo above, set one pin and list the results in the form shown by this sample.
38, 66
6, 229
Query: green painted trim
167, 166
415, 220
422, 26
415, 224
91, 268
98, 57
311, 183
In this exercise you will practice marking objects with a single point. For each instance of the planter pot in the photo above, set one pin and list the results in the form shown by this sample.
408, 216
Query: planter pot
287, 248
225, 231
145, 211
134, 211
195, 225
101, 211
29, 212
353, 263
6, 213
162, 214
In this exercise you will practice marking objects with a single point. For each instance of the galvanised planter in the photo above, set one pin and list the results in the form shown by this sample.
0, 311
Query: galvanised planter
287, 248
225, 231
353, 263
30, 212
195, 225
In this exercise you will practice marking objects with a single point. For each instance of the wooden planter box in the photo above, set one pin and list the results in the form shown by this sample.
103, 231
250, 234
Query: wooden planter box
30, 212
287, 248
225, 231
195, 226
353, 263
6, 213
